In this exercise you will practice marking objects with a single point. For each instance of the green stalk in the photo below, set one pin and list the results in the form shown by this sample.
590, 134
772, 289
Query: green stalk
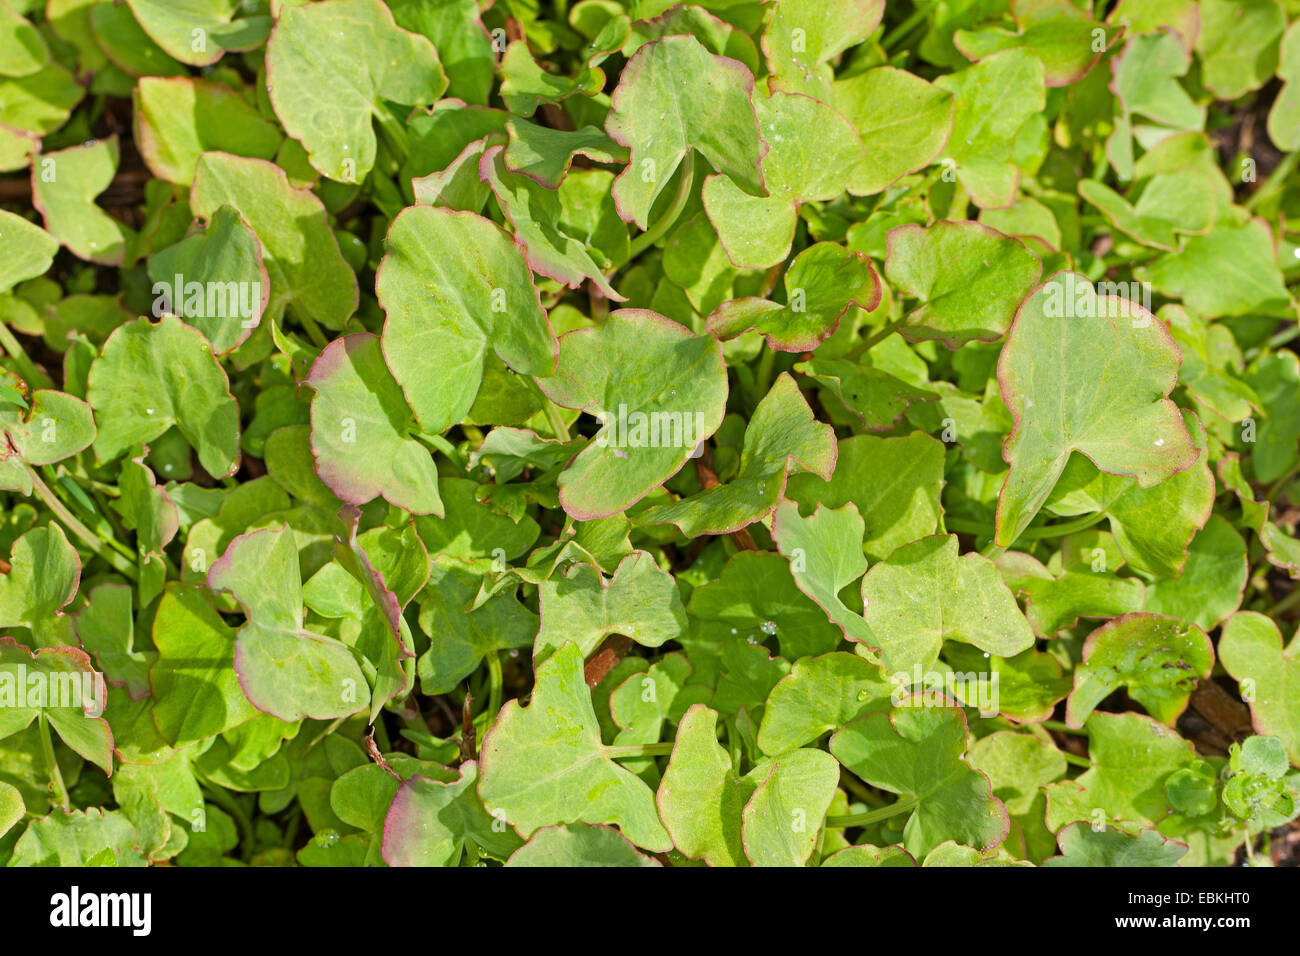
638, 750
1076, 760
903, 29
1061, 728
440, 443
1059, 530
656, 231
26, 367
869, 817
1281, 483
882, 333
1287, 603
494, 687
763, 378
88, 537
553, 416
58, 791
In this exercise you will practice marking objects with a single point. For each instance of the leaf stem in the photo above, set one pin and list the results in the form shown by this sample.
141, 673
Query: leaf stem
882, 333
34, 376
665, 222
552, 412
88, 537
1076, 760
1287, 603
1281, 483
58, 791
763, 378
440, 443
866, 818
494, 687
1061, 728
621, 751
903, 29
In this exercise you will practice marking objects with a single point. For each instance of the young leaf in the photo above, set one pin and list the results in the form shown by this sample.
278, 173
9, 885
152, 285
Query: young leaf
1103, 396
545, 764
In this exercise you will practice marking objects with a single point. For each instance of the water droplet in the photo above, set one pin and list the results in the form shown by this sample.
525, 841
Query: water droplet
733, 630
148, 411
768, 627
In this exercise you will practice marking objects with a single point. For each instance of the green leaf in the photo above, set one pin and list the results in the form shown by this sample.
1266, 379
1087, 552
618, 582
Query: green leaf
463, 637
781, 823
65, 196
44, 572
782, 437
663, 77
52, 427
1250, 648
815, 155
803, 36
90, 837
463, 43
820, 694
916, 752
453, 285
825, 557
545, 764
1061, 35
1284, 117
903, 120
22, 48
1083, 845
195, 687
1055, 602
12, 808
658, 390
821, 285
430, 822
1212, 583
26, 250
60, 684
1132, 757
579, 844
924, 594
756, 592
284, 670
181, 118
701, 798
1157, 659
1101, 394
303, 260
895, 509
362, 431
970, 280
222, 281
200, 32
639, 601
991, 102
152, 377
1238, 44
537, 214
332, 111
